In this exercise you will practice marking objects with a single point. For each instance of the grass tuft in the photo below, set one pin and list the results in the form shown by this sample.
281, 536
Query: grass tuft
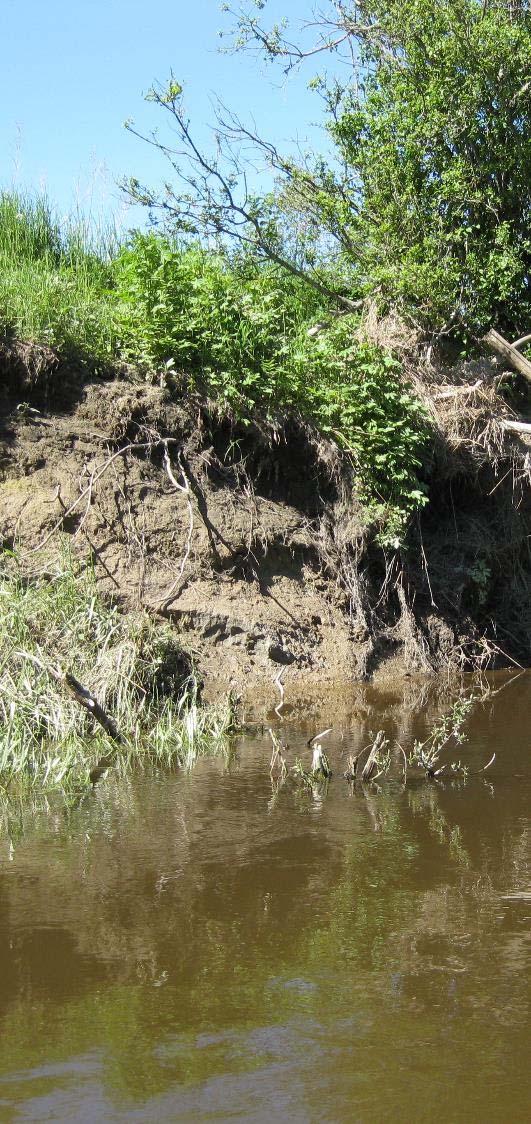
137, 672
56, 280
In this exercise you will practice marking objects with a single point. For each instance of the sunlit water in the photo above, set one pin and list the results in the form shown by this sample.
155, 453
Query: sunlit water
211, 947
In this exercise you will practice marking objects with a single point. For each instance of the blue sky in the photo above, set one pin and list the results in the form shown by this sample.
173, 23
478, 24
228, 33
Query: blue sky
74, 70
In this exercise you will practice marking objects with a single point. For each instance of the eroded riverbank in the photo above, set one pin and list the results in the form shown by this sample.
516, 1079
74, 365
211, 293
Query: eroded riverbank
251, 541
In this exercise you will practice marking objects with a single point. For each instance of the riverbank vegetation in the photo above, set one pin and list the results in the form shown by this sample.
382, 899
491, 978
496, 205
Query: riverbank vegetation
261, 301
55, 625
235, 329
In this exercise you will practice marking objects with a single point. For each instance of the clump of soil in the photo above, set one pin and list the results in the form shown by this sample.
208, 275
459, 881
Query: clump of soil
250, 540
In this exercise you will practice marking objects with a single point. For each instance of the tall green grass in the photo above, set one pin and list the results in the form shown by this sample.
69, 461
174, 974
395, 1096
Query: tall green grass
56, 279
59, 621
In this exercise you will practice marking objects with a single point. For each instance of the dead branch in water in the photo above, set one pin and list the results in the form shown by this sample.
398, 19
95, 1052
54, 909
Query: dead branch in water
279, 682
476, 772
316, 737
373, 760
277, 757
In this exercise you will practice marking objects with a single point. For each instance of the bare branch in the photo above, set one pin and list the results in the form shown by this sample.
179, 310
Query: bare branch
347, 26
216, 201
279, 682
93, 480
80, 693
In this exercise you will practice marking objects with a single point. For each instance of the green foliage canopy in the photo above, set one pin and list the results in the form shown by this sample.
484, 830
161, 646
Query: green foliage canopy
439, 139
427, 194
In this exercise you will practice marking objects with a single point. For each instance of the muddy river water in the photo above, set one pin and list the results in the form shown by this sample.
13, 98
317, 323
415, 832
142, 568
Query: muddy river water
209, 946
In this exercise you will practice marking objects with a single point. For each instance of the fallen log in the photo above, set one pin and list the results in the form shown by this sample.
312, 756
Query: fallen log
509, 352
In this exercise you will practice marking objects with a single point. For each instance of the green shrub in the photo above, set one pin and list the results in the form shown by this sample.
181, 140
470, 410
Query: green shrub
437, 140
242, 331
206, 313
354, 392
237, 328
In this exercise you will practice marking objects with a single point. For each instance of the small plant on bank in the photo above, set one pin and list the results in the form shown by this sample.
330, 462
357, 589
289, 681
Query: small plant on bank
450, 729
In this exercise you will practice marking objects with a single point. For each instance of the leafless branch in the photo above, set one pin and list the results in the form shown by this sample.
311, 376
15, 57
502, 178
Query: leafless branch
279, 682
215, 199
316, 737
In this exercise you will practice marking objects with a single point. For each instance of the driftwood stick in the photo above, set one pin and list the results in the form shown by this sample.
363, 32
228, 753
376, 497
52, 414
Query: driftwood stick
317, 737
80, 694
516, 426
370, 765
279, 682
522, 342
509, 352
484, 768
87, 700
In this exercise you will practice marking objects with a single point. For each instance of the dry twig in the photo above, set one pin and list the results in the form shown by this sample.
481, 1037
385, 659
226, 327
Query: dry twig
279, 682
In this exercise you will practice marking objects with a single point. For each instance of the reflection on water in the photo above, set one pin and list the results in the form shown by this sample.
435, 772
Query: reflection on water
198, 947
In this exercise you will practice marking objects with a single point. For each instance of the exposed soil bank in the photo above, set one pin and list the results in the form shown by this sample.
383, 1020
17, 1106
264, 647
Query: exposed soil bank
251, 541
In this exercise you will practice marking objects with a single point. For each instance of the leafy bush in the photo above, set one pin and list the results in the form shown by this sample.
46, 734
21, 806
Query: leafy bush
206, 313
235, 327
440, 139
242, 330
354, 393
